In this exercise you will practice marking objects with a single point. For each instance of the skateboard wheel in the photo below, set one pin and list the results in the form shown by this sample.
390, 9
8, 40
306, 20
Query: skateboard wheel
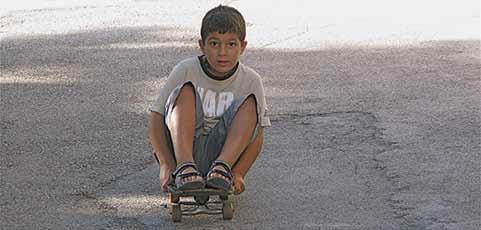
176, 213
202, 200
228, 208
173, 198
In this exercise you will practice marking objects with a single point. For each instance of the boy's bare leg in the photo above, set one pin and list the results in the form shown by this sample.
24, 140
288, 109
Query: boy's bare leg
182, 128
180, 139
158, 140
245, 162
238, 137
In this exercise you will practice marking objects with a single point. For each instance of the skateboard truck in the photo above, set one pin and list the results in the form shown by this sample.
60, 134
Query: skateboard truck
201, 204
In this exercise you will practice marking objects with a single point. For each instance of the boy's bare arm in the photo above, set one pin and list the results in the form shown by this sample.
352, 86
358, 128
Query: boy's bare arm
247, 158
158, 140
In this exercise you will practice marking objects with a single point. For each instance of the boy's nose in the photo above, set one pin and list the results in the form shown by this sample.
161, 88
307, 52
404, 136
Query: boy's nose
222, 50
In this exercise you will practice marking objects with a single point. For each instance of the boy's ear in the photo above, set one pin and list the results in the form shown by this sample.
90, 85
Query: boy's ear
201, 44
243, 46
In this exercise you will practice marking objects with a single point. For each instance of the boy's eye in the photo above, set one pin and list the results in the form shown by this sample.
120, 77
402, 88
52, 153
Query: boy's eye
232, 44
213, 43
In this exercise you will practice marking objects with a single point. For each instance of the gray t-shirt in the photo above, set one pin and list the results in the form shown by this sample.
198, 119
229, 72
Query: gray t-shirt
216, 95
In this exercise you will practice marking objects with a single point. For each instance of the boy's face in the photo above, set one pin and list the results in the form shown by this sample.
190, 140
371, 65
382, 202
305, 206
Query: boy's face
222, 51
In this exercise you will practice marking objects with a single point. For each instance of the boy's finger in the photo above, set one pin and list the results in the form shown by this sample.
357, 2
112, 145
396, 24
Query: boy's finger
237, 189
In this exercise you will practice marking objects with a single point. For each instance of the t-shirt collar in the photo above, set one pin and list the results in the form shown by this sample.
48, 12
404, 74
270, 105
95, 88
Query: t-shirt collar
205, 67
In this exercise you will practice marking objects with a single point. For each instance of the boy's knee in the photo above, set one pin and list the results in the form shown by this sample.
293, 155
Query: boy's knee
186, 95
187, 90
250, 104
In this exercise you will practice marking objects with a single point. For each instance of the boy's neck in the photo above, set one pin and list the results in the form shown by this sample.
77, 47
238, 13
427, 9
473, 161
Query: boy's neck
206, 68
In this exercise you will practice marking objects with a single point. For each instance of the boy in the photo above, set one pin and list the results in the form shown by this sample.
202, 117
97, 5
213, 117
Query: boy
206, 125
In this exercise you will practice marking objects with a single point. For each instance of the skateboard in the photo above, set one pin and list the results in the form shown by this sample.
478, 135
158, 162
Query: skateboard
201, 203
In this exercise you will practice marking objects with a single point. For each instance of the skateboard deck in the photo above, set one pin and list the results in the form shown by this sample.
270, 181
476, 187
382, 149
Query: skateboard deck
203, 202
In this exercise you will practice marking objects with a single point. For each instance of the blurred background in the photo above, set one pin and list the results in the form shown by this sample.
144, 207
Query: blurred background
303, 24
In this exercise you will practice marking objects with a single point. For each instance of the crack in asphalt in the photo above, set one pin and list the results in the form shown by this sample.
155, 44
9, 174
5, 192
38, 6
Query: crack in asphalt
399, 209
362, 126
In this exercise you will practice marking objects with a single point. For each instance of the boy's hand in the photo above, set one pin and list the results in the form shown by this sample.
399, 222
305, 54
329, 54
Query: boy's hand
238, 183
165, 178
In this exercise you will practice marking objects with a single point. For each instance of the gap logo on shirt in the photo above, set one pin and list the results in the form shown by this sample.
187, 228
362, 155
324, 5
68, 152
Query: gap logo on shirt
215, 103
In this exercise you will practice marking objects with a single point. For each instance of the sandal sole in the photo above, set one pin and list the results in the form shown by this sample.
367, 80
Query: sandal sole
191, 185
218, 183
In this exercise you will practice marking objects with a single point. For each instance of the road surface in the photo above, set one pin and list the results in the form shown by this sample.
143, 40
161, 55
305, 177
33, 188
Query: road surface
376, 119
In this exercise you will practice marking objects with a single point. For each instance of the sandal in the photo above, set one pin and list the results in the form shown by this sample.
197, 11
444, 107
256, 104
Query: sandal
179, 177
219, 182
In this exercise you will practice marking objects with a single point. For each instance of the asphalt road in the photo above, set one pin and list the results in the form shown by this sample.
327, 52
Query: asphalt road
378, 133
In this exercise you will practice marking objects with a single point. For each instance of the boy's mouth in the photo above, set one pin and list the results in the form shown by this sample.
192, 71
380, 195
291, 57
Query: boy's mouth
223, 62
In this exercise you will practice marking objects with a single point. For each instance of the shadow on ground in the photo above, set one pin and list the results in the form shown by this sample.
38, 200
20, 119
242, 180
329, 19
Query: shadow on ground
360, 136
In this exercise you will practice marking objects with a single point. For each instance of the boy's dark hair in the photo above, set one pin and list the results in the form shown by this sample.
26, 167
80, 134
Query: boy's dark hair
223, 19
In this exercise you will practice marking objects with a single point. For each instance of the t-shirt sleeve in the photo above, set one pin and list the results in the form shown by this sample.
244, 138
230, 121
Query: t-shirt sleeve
175, 78
261, 104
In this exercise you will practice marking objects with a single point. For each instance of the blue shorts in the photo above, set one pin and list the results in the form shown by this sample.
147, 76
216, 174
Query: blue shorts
207, 147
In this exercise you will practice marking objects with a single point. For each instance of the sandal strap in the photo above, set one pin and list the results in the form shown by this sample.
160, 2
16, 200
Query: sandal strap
181, 167
222, 163
190, 174
227, 173
221, 172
